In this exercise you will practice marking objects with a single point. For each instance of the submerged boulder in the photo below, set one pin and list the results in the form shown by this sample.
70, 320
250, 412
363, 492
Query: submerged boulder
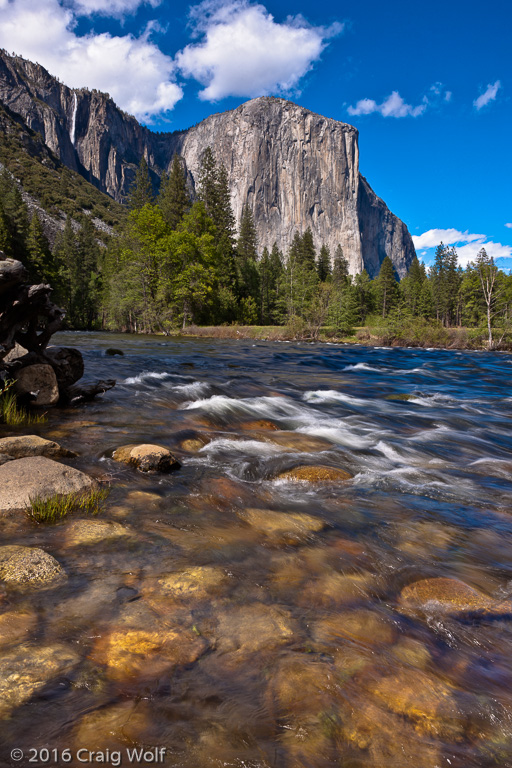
450, 596
315, 474
147, 457
282, 527
28, 669
24, 479
131, 655
84, 532
29, 567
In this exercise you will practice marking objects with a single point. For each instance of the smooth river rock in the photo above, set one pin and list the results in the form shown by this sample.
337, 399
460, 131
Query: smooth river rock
85, 532
147, 457
282, 527
315, 474
24, 446
132, 655
29, 567
25, 479
450, 596
28, 669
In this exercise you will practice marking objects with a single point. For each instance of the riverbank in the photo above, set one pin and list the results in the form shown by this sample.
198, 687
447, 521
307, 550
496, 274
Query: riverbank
405, 334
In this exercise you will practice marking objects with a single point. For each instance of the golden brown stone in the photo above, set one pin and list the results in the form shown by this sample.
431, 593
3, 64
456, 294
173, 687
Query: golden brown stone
451, 596
130, 655
282, 527
315, 474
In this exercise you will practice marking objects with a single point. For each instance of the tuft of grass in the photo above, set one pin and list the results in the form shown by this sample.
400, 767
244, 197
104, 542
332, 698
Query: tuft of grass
55, 508
11, 413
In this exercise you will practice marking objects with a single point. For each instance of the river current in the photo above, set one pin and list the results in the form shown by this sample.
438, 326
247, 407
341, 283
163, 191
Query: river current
265, 615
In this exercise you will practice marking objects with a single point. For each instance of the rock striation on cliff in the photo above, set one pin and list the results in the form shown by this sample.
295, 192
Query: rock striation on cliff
295, 169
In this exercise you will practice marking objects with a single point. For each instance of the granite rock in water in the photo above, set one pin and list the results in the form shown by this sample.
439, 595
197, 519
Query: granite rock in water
295, 169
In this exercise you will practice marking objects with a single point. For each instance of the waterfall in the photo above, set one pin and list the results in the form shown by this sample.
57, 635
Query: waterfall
73, 121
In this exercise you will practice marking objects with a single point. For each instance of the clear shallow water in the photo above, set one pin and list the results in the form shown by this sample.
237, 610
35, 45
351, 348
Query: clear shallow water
295, 650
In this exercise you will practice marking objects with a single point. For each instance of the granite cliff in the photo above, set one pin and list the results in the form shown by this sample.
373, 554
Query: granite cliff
293, 168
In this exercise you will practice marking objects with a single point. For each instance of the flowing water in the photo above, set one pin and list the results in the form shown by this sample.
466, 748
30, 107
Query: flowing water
233, 636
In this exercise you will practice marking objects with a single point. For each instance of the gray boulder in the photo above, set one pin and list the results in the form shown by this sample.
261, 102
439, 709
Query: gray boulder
23, 479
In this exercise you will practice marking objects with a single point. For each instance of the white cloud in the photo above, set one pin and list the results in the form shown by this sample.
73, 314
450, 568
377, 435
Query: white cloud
467, 244
244, 52
469, 252
509, 226
138, 76
433, 237
109, 7
393, 106
488, 95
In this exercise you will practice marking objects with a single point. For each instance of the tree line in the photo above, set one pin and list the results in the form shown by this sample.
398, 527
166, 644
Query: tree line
178, 260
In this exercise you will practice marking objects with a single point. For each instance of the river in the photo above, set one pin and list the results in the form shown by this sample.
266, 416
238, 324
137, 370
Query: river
271, 619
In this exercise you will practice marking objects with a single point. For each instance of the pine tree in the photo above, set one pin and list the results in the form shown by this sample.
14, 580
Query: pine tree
64, 254
207, 187
173, 198
38, 252
324, 264
340, 274
16, 215
386, 286
247, 244
308, 256
141, 191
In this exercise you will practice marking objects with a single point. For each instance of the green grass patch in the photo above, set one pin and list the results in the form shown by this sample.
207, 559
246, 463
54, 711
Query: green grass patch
55, 508
11, 413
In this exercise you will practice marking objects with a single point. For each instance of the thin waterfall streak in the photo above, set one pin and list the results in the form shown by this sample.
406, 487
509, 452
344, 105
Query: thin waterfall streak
73, 120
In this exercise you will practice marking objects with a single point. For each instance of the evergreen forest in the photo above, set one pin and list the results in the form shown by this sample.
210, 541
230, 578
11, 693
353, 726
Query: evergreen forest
176, 261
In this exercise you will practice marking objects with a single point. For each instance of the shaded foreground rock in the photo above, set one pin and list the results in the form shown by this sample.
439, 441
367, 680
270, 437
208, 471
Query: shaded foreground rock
25, 446
315, 474
450, 596
37, 476
28, 318
29, 567
38, 383
26, 670
147, 457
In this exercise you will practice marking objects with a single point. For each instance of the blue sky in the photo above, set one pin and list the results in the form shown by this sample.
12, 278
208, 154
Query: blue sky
428, 85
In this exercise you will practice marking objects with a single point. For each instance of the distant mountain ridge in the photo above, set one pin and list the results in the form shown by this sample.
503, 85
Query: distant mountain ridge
294, 169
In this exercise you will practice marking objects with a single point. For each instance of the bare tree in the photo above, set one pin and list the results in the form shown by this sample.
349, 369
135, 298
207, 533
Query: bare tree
488, 272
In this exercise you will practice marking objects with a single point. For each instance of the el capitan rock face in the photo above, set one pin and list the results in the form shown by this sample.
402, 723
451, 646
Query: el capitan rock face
292, 167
